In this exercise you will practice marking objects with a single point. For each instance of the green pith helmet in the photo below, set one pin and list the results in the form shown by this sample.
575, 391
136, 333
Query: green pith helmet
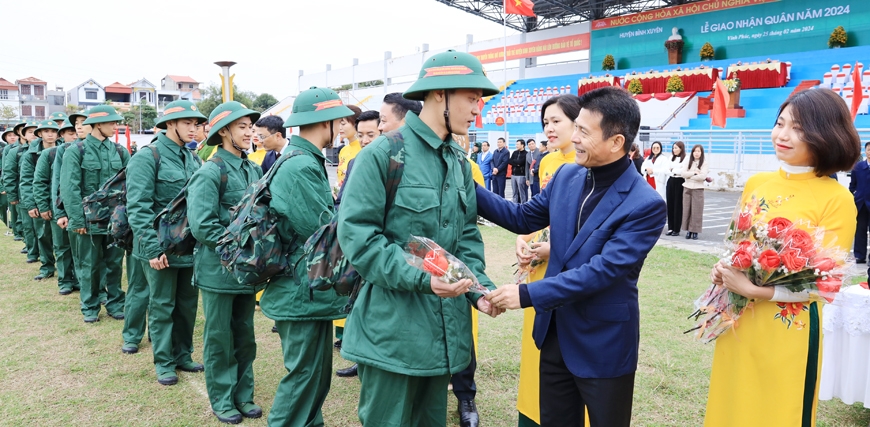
46, 124
180, 109
27, 125
18, 126
225, 114
66, 125
450, 70
102, 114
317, 105
72, 117
58, 116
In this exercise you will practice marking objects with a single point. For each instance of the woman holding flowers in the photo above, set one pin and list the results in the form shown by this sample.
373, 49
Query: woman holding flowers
533, 251
766, 371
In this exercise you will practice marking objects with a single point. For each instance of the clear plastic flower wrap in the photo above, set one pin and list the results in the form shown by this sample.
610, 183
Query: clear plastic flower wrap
428, 256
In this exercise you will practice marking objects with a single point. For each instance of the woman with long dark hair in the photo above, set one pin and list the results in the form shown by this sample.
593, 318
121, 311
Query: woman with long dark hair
656, 168
674, 190
767, 372
694, 174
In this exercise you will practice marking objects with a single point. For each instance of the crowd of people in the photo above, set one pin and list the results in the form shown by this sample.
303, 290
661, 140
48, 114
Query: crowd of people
583, 236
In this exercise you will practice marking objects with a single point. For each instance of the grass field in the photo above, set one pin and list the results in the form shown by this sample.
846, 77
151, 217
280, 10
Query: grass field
58, 371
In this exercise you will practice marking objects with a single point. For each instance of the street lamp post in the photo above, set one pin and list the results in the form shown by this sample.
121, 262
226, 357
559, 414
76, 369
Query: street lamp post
226, 80
140, 112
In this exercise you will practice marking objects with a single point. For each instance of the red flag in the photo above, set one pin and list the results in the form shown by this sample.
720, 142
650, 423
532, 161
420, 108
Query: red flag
857, 91
720, 104
478, 121
519, 7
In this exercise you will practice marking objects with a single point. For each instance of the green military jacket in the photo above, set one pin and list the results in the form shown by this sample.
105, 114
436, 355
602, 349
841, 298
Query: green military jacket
55, 180
209, 215
3, 150
27, 169
397, 324
150, 189
11, 176
302, 197
42, 180
82, 175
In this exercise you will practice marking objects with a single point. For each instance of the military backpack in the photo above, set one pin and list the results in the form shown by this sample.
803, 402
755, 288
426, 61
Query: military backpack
251, 248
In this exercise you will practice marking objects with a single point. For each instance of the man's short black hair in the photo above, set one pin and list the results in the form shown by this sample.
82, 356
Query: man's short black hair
502, 140
544, 142
529, 141
367, 116
867, 145
619, 112
401, 106
272, 124
521, 142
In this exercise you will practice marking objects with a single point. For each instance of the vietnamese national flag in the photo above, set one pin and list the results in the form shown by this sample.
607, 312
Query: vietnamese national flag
857, 91
478, 121
720, 104
519, 7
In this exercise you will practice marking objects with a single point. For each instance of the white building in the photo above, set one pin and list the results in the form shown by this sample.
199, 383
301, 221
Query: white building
144, 91
9, 101
31, 93
86, 95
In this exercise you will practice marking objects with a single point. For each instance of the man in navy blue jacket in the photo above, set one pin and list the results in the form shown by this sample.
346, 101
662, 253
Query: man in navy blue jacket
604, 219
500, 158
860, 188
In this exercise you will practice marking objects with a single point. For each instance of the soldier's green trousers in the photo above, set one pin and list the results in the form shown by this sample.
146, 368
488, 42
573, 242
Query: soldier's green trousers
66, 274
389, 399
28, 232
136, 304
229, 349
308, 359
171, 315
14, 221
45, 242
99, 267
4, 202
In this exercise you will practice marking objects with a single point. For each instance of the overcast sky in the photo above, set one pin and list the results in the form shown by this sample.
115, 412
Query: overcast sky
67, 42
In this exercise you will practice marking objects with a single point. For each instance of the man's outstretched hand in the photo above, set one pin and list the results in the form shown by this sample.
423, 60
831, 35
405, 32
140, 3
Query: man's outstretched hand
506, 297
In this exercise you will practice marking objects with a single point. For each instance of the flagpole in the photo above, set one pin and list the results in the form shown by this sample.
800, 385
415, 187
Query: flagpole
504, 63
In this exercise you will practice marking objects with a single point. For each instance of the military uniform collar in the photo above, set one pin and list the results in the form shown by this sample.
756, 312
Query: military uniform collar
35, 145
425, 132
305, 145
90, 139
229, 158
164, 140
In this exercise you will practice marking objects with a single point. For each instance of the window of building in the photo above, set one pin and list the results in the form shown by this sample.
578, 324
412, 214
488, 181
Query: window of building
190, 86
179, 86
90, 94
25, 89
56, 99
39, 90
4, 94
26, 110
40, 111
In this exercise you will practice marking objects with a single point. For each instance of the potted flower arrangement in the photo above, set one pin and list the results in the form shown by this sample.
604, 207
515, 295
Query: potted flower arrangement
838, 38
635, 87
609, 63
675, 84
675, 51
707, 52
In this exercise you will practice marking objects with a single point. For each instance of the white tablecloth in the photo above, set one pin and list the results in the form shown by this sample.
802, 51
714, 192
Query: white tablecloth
846, 348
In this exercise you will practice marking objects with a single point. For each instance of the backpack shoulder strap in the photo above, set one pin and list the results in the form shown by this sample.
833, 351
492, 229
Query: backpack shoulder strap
281, 160
224, 176
156, 155
120, 149
397, 164
52, 154
81, 144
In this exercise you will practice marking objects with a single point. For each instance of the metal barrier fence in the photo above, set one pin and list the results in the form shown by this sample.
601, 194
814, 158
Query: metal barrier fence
733, 155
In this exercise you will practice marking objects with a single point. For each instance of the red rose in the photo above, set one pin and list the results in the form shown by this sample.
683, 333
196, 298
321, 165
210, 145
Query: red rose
769, 260
793, 259
829, 286
742, 257
823, 264
435, 263
800, 239
777, 226
744, 221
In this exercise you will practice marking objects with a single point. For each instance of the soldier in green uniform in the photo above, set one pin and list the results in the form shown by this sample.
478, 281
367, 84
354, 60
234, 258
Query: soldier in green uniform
8, 138
173, 299
85, 168
80, 131
302, 197
13, 209
46, 134
12, 180
229, 346
422, 332
43, 185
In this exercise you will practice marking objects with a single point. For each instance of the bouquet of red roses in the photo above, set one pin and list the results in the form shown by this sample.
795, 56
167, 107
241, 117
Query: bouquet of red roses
428, 256
772, 253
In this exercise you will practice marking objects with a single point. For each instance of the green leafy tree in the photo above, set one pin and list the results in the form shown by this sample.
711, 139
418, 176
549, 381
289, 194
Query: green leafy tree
8, 113
72, 108
149, 117
211, 98
264, 101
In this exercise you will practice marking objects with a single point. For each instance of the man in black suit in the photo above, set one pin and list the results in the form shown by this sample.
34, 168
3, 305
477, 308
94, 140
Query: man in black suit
500, 158
273, 137
860, 188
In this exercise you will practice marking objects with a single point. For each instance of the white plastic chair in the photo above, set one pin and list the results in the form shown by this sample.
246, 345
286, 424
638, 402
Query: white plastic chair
841, 80
835, 69
862, 109
865, 79
827, 81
